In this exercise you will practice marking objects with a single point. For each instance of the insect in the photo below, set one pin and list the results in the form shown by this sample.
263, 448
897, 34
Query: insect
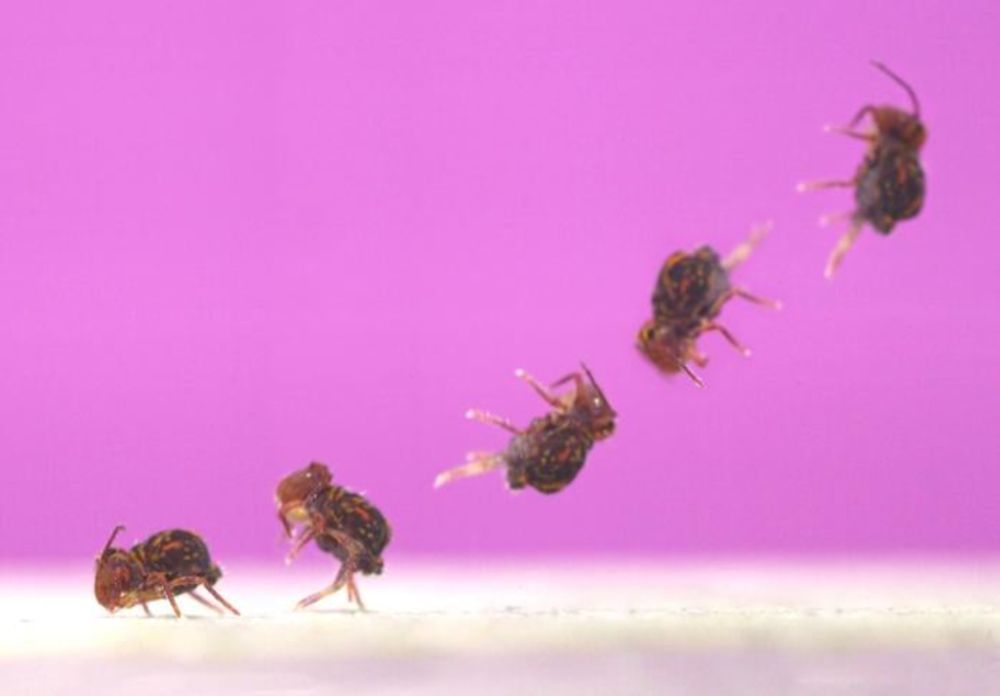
889, 183
691, 290
341, 522
167, 564
549, 453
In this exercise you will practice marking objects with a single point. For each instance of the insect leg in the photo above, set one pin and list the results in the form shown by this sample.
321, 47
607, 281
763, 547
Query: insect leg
688, 371
305, 537
329, 590
478, 463
743, 250
712, 326
867, 109
169, 594
491, 419
539, 388
222, 600
843, 245
828, 219
204, 602
756, 299
817, 185
699, 358
850, 133
145, 608
352, 592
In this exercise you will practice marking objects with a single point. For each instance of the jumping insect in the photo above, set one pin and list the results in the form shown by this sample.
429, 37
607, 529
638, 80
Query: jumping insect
342, 523
690, 292
167, 564
889, 183
549, 453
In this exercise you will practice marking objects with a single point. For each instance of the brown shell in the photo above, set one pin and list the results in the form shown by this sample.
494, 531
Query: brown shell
549, 454
890, 185
689, 289
348, 512
177, 553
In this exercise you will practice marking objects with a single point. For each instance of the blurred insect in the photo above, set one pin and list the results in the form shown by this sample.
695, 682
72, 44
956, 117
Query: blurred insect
549, 453
889, 183
341, 522
164, 566
690, 293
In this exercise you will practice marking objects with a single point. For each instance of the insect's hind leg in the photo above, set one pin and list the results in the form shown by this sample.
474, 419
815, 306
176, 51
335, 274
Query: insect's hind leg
193, 594
338, 582
353, 595
804, 186
491, 419
477, 463
743, 250
220, 599
843, 245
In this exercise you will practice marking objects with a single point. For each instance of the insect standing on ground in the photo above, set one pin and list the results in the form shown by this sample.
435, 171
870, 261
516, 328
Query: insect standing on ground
889, 183
341, 522
549, 453
166, 565
691, 290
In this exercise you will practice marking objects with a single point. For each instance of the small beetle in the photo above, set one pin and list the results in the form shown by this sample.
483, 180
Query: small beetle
889, 184
342, 523
549, 453
167, 564
690, 291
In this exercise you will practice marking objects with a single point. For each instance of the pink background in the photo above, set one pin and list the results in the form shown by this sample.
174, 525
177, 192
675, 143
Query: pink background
235, 236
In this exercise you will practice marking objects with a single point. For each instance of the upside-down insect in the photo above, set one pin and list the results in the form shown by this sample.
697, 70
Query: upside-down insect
889, 184
690, 291
342, 523
549, 453
167, 564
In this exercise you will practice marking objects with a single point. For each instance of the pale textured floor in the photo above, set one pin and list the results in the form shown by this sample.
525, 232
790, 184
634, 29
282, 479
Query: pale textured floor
621, 627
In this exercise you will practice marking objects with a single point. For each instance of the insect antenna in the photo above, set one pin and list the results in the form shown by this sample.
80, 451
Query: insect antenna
114, 532
594, 384
902, 83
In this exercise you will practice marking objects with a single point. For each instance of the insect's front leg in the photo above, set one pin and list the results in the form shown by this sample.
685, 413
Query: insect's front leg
730, 338
851, 133
539, 388
825, 184
866, 109
307, 535
283, 511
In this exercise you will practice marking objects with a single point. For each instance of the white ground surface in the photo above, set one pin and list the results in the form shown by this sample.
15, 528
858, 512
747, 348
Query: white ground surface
617, 627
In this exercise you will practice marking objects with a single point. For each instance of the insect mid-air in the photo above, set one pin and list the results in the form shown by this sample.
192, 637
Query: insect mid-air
166, 565
889, 184
341, 522
549, 453
691, 290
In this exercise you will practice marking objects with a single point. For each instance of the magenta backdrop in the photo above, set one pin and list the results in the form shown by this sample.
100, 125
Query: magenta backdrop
235, 236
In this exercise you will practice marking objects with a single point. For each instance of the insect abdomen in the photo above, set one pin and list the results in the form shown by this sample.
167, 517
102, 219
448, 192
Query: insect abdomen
890, 186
